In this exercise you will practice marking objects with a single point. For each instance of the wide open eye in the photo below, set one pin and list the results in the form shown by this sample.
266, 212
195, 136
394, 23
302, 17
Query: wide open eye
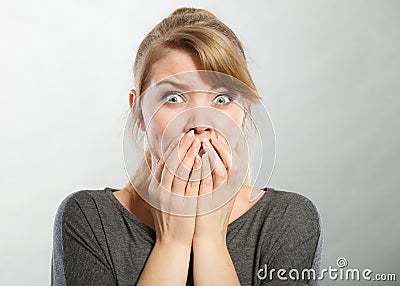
223, 99
172, 97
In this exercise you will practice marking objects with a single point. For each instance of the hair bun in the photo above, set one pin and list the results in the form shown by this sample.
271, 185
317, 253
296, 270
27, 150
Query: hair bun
190, 10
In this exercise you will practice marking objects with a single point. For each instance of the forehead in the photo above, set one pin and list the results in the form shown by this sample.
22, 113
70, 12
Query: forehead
175, 61
183, 70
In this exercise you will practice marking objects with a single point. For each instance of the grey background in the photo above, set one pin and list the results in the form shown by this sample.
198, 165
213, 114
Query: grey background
329, 73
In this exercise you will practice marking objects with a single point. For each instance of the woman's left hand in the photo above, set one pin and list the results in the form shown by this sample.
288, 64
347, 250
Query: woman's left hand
221, 178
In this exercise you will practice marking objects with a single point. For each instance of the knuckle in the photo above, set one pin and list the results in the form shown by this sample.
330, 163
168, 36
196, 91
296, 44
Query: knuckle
163, 198
181, 173
208, 183
185, 144
192, 152
193, 184
178, 173
186, 165
179, 182
219, 174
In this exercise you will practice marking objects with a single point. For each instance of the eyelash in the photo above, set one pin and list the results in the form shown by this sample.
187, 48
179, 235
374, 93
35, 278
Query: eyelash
167, 94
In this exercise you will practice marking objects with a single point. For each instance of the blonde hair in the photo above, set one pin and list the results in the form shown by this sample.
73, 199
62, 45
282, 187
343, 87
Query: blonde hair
202, 33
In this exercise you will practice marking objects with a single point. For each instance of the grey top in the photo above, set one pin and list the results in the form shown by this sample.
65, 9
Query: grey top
97, 241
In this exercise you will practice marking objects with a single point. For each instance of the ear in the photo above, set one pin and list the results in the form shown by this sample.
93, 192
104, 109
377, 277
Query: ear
132, 101
132, 97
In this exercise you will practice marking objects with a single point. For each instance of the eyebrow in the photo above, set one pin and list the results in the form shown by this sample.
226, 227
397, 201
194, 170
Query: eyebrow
173, 83
185, 86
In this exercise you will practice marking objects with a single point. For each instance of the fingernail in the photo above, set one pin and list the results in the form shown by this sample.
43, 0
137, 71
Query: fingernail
180, 137
190, 133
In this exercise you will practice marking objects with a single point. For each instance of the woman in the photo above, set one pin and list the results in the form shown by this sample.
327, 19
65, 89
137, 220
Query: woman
164, 227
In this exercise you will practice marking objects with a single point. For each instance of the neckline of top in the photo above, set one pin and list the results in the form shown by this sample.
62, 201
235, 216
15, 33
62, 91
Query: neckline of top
109, 191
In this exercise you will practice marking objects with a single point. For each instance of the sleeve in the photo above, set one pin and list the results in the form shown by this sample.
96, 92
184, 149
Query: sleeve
293, 254
77, 257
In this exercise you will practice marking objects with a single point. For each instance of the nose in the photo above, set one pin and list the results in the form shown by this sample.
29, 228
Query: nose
198, 116
200, 130
201, 119
204, 133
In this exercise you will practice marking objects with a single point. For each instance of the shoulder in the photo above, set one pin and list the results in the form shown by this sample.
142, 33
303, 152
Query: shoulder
79, 217
292, 231
290, 210
292, 204
79, 242
78, 204
80, 197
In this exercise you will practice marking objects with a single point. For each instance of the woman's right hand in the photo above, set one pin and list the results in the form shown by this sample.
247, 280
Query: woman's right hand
169, 188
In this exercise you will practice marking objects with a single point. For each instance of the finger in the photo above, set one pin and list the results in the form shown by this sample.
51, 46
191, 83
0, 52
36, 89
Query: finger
155, 174
155, 182
172, 161
219, 172
206, 184
224, 151
172, 146
193, 184
182, 173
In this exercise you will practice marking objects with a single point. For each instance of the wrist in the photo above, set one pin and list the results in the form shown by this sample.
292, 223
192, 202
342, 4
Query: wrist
209, 243
175, 246
210, 238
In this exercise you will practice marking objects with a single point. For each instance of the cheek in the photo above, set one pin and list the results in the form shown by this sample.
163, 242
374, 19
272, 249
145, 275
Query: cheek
157, 129
237, 117
233, 133
154, 118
